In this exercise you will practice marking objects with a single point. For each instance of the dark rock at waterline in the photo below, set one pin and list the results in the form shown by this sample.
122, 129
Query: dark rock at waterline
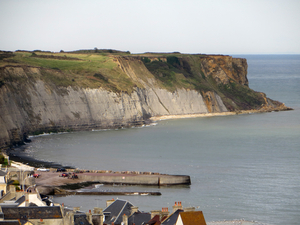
18, 155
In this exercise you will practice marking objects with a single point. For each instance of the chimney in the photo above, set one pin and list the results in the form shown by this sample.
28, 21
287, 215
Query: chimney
125, 219
26, 199
164, 212
63, 209
108, 202
189, 209
89, 216
177, 206
97, 217
133, 209
69, 218
98, 210
155, 212
101, 219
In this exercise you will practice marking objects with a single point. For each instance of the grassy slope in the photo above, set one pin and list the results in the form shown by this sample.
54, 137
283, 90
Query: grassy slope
70, 69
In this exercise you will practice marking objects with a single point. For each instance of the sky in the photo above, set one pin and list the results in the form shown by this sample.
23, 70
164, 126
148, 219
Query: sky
138, 26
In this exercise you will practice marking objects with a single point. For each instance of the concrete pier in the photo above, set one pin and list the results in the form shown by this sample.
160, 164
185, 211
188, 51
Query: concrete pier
48, 181
136, 179
58, 191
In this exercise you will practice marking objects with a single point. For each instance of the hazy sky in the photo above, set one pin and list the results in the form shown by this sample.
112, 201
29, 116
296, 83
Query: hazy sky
188, 26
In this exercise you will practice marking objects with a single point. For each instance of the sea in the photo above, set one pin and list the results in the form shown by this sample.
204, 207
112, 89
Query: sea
241, 166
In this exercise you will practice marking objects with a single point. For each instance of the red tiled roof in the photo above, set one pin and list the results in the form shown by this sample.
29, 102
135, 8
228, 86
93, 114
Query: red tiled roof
154, 220
192, 218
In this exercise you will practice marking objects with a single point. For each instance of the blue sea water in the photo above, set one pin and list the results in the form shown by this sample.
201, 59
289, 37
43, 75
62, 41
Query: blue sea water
242, 166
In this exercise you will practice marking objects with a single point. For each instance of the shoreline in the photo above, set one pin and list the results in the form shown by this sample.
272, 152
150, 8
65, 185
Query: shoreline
197, 115
18, 153
183, 116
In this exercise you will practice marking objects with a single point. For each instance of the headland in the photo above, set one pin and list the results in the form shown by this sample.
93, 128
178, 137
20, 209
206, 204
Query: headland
43, 92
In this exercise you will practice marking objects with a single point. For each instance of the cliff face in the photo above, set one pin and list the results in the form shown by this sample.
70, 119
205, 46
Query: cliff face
30, 103
224, 68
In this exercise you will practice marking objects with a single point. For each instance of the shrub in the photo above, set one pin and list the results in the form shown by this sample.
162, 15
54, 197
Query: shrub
145, 60
173, 60
2, 159
242, 95
100, 76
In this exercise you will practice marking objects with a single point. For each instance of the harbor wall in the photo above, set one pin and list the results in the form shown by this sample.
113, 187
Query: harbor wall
157, 180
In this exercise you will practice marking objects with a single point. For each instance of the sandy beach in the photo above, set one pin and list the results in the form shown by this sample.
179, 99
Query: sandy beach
168, 117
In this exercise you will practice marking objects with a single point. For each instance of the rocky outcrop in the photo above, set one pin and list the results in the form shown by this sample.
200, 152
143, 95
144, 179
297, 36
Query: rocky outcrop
30, 104
214, 103
224, 68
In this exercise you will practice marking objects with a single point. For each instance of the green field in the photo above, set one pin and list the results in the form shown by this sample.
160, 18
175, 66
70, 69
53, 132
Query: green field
75, 69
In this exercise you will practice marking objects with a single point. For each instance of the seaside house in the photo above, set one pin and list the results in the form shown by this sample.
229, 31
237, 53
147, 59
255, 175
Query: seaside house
137, 218
172, 218
15, 198
114, 211
179, 216
123, 212
155, 220
47, 215
76, 217
3, 183
190, 218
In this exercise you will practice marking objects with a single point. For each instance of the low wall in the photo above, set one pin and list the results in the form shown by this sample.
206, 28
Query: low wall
157, 180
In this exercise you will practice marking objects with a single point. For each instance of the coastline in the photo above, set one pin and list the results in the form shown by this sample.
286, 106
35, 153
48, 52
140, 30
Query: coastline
183, 116
167, 117
241, 112
17, 153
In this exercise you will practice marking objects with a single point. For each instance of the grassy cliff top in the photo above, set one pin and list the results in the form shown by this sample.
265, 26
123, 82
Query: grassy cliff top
93, 70
100, 68
122, 72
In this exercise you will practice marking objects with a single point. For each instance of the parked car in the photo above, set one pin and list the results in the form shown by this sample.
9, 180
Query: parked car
65, 175
73, 176
61, 170
43, 169
35, 175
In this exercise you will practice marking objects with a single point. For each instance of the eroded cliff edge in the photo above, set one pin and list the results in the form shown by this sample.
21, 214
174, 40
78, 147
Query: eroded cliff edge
44, 92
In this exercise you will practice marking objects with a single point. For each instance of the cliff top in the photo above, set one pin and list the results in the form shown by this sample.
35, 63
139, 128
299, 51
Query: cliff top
105, 68
119, 71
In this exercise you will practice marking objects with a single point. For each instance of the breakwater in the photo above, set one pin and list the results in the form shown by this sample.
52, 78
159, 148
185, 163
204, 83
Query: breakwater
136, 179
59, 191
52, 179
54, 184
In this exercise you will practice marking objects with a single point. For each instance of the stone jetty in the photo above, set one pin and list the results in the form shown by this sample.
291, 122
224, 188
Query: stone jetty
49, 181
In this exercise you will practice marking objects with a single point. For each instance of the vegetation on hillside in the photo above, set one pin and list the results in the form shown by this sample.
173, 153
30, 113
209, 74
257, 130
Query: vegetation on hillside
186, 71
244, 97
74, 69
175, 72
3, 160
